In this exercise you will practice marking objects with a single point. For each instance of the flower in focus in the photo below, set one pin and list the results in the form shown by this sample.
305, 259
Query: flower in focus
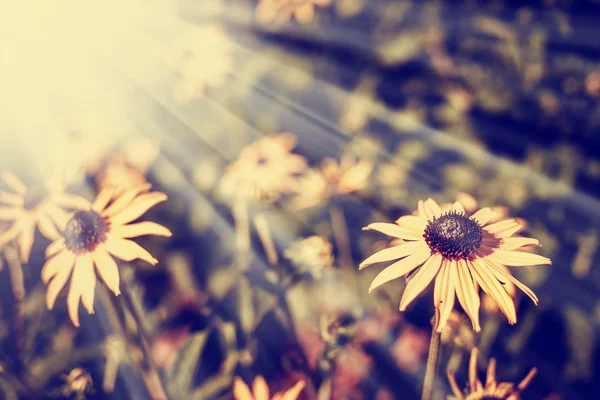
189, 58
90, 238
492, 389
313, 253
282, 10
347, 176
28, 207
260, 390
264, 170
461, 252
127, 169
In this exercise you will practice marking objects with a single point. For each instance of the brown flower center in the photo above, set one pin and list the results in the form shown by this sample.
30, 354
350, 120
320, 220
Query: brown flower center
454, 235
85, 230
34, 196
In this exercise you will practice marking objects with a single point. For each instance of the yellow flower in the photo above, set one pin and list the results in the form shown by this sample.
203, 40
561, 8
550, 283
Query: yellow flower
313, 254
189, 56
492, 389
282, 10
90, 238
347, 176
461, 252
264, 170
260, 390
27, 207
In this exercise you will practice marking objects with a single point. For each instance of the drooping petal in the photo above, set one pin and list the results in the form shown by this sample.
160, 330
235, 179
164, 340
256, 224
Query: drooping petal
467, 294
103, 198
421, 280
393, 253
502, 275
517, 258
488, 282
443, 293
260, 388
505, 228
128, 250
141, 229
484, 216
87, 282
63, 260
57, 283
395, 231
241, 391
514, 243
25, 239
47, 227
413, 223
107, 269
138, 207
401, 268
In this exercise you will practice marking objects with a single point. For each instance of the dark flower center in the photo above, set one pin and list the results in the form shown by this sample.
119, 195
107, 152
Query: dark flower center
85, 230
34, 196
454, 235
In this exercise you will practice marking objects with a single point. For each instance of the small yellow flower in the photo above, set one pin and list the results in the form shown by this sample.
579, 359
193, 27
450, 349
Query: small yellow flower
90, 238
492, 389
282, 10
313, 253
461, 252
260, 390
264, 170
28, 207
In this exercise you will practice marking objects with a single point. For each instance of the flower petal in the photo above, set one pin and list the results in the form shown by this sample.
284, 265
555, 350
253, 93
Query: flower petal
401, 267
392, 253
10, 213
241, 391
141, 229
88, 282
484, 216
77, 287
25, 239
294, 391
55, 247
395, 231
488, 282
517, 258
72, 201
421, 211
14, 182
57, 283
125, 200
458, 207
513, 243
305, 13
103, 198
128, 250
107, 269
47, 227
466, 292
421, 280
505, 228
260, 388
63, 260
58, 215
503, 275
12, 199
138, 207
432, 209
443, 293
412, 222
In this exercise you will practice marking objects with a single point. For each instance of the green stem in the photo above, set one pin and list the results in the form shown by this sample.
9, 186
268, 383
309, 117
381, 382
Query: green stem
432, 358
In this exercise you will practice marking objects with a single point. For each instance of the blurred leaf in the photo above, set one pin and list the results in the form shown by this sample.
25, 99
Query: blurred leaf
401, 48
581, 341
183, 370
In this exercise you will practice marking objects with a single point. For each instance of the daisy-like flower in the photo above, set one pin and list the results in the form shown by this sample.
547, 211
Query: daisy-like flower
461, 252
347, 176
492, 389
282, 10
28, 207
90, 238
312, 254
260, 390
188, 57
264, 170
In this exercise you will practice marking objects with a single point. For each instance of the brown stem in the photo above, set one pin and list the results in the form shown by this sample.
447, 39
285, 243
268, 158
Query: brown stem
432, 358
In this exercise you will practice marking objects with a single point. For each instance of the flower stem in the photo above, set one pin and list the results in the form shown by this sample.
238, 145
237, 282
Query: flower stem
432, 358
18, 288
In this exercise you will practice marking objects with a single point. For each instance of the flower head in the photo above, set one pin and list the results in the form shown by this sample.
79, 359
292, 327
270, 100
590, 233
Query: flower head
461, 252
89, 239
260, 390
492, 389
347, 176
28, 207
313, 253
282, 10
264, 170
